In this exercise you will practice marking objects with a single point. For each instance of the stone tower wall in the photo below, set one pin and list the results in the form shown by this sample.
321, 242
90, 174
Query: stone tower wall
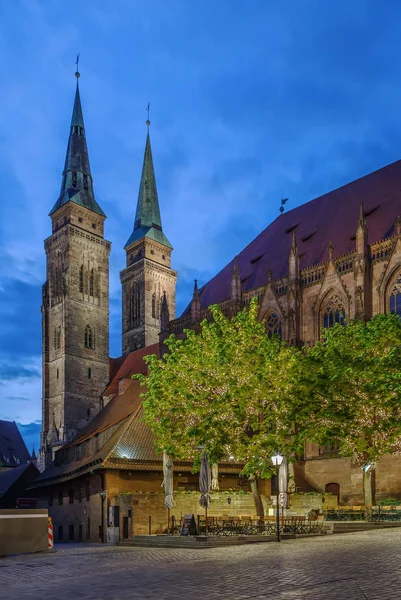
74, 375
148, 267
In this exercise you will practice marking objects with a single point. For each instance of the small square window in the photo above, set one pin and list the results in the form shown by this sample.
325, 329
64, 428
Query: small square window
164, 257
152, 251
93, 225
80, 219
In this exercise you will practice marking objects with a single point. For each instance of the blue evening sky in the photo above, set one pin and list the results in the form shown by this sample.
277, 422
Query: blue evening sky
251, 100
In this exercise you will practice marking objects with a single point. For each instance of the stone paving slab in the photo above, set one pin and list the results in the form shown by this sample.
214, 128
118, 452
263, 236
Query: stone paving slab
356, 566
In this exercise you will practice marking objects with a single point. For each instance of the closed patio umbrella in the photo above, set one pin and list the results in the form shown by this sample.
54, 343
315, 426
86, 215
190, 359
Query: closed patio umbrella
168, 480
283, 483
205, 482
215, 477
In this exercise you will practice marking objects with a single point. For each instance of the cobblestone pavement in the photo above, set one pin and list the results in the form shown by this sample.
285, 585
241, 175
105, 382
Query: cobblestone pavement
356, 566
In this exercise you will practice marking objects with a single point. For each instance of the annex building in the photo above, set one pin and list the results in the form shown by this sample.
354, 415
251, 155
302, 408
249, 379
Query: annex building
337, 255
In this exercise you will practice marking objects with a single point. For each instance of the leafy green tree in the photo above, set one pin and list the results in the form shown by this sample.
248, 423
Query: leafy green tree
354, 379
229, 388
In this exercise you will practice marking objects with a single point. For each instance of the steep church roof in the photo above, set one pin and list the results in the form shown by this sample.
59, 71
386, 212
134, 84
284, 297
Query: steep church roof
13, 451
148, 222
77, 183
331, 217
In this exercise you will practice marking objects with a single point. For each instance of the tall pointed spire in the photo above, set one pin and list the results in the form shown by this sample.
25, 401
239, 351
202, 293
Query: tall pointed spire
77, 183
147, 218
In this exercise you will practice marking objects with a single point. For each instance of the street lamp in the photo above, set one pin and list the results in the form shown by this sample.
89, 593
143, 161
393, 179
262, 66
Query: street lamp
277, 459
102, 495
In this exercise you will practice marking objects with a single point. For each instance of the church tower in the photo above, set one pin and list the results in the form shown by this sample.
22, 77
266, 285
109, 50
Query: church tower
148, 274
75, 303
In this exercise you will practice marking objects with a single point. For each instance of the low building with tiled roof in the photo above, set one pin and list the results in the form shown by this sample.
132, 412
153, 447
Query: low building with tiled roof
115, 453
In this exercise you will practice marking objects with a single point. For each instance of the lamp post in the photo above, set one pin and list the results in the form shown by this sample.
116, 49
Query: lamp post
102, 495
277, 459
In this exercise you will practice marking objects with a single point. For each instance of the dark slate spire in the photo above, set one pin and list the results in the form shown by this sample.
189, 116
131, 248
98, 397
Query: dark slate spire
147, 219
77, 183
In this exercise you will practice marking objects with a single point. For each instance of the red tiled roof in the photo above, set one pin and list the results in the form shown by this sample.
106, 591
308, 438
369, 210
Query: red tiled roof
119, 408
125, 366
331, 217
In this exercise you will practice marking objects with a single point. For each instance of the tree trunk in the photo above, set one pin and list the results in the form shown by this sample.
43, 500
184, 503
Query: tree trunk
256, 497
367, 488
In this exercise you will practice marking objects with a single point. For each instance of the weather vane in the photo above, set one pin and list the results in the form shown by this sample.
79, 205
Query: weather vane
283, 201
148, 111
77, 74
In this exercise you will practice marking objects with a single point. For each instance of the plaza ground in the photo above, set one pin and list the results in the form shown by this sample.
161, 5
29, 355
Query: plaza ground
356, 566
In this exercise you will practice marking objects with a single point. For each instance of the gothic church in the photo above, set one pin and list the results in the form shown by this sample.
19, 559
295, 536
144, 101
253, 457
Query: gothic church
339, 254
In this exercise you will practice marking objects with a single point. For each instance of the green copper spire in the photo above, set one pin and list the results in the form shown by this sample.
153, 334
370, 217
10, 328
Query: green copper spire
77, 183
147, 219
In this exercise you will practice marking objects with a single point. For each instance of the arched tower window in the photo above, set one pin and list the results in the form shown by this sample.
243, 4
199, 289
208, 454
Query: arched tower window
334, 312
92, 283
154, 305
273, 325
81, 279
395, 297
135, 305
57, 338
89, 338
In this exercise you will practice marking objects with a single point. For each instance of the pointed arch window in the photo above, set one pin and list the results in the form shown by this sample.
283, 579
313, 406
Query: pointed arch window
74, 179
395, 297
334, 312
134, 305
89, 338
81, 279
57, 338
85, 182
273, 325
91, 283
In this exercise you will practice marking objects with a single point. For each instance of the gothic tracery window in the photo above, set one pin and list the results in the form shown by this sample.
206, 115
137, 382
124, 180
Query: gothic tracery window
334, 312
395, 297
92, 283
273, 325
89, 338
134, 305
81, 279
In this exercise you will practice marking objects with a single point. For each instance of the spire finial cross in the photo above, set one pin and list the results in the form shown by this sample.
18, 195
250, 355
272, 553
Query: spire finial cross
148, 111
77, 73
